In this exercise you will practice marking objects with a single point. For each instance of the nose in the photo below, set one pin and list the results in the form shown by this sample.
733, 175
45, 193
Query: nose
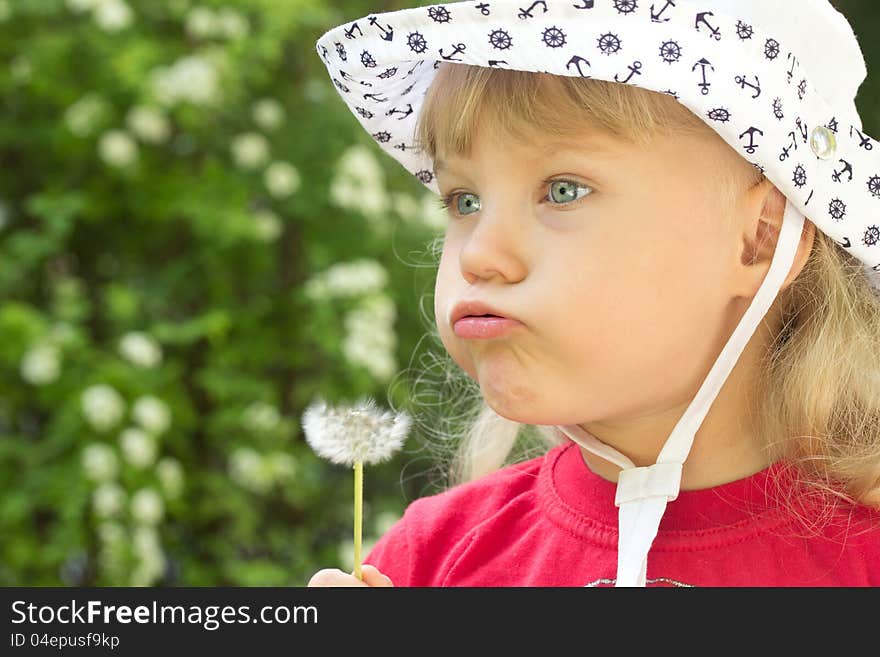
493, 247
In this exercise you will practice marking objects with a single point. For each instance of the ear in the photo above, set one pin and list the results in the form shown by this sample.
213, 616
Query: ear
760, 214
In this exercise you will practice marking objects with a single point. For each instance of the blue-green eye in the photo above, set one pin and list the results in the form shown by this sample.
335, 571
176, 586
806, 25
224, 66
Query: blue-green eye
470, 201
568, 190
465, 201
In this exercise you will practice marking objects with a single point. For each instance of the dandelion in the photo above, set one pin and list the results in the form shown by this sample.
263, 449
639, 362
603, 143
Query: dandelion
352, 436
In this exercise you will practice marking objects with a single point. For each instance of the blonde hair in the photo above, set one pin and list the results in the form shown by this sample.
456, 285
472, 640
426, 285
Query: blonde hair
818, 391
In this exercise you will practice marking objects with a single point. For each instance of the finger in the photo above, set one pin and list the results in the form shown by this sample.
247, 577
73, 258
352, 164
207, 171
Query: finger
334, 577
374, 577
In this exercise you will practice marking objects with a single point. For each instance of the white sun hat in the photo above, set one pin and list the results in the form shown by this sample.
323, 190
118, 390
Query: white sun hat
777, 82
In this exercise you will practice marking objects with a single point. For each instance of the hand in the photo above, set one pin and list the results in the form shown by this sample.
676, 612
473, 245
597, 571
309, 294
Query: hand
336, 577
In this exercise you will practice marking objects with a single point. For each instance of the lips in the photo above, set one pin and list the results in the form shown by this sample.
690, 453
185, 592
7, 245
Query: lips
474, 308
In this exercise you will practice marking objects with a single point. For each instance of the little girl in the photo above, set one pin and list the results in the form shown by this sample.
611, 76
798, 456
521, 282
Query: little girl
628, 268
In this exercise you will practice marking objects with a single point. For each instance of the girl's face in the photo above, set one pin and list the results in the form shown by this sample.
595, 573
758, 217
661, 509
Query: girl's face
617, 260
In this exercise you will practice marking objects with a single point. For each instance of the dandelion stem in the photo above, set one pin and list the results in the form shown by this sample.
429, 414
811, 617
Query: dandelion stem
358, 507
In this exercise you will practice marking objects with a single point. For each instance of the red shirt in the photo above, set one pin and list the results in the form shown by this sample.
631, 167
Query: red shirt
551, 521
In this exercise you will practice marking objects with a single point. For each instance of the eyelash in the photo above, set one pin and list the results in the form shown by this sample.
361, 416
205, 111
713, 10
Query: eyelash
446, 201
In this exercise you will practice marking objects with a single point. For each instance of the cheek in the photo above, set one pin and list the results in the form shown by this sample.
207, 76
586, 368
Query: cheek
447, 287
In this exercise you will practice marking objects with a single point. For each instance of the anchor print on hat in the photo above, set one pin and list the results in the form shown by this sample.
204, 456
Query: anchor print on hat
779, 89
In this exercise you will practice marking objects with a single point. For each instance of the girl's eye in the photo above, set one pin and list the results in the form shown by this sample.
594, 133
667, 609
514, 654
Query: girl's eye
567, 192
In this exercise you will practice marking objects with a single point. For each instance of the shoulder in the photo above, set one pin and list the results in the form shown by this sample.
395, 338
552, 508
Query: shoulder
846, 537
414, 550
455, 510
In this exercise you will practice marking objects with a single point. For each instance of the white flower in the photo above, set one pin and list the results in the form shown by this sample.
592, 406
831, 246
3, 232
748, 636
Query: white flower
250, 150
138, 447
112, 15
102, 406
348, 279
282, 179
267, 113
111, 532
405, 205
140, 349
344, 193
373, 200
350, 434
117, 148
151, 558
41, 364
170, 474
83, 116
358, 184
267, 225
246, 467
192, 78
200, 22
149, 123
261, 416
152, 414
372, 351
99, 462
370, 340
108, 499
146, 506
231, 24
145, 540
361, 166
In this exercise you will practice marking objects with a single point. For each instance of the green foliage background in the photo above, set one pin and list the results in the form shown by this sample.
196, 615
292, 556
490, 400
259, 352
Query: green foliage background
208, 260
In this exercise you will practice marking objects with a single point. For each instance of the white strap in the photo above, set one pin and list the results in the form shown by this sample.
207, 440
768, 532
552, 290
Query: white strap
643, 492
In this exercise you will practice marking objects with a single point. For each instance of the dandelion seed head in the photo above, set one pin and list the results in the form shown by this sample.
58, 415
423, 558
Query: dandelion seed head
348, 434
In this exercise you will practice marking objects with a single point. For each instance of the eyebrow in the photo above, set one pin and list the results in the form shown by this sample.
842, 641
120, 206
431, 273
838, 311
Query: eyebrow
551, 147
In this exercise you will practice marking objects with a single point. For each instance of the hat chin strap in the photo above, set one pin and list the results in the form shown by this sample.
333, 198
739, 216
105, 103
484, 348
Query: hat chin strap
643, 492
